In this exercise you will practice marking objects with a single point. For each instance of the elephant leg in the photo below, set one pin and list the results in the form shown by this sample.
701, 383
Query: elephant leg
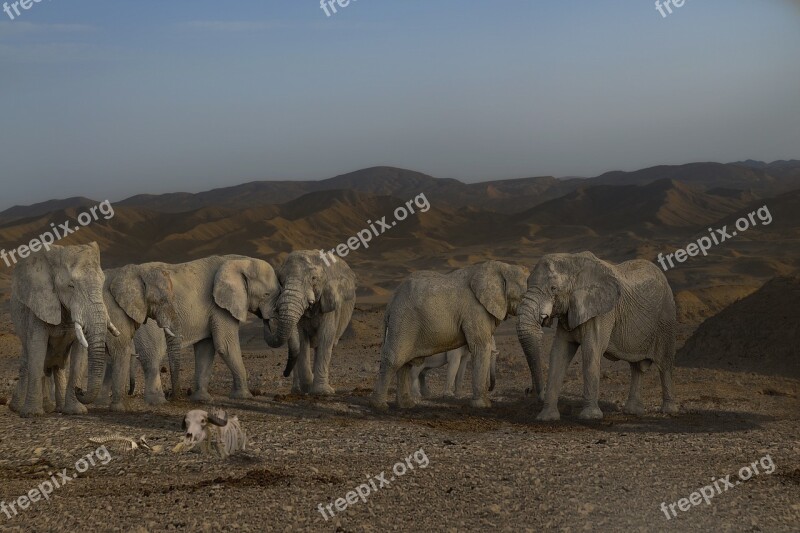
48, 392
668, 404
418, 381
594, 345
203, 365
456, 368
60, 385
634, 404
561, 355
120, 376
480, 375
326, 338
390, 364
229, 349
404, 398
37, 350
78, 357
21, 390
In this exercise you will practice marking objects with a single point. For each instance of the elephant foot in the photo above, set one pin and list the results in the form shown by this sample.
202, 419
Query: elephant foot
530, 392
75, 408
155, 398
591, 412
241, 394
15, 405
549, 414
634, 408
379, 405
29, 413
406, 402
201, 396
49, 407
670, 408
118, 407
480, 403
448, 394
322, 389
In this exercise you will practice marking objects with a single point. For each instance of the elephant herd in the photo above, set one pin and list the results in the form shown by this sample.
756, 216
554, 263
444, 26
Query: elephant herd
66, 310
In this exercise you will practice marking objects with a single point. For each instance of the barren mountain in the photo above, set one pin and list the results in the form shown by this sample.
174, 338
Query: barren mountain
759, 333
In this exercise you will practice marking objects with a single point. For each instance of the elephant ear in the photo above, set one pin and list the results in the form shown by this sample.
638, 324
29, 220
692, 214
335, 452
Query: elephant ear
230, 288
337, 291
32, 284
597, 292
489, 286
128, 290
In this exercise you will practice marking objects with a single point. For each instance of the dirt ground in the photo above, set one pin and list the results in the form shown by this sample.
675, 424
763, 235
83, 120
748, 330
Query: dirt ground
493, 469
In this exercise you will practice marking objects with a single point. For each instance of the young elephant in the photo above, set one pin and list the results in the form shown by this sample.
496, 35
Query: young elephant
316, 304
456, 361
625, 312
432, 313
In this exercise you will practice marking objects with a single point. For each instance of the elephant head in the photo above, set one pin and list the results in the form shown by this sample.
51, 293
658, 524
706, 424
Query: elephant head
499, 287
308, 286
141, 291
575, 287
243, 284
64, 286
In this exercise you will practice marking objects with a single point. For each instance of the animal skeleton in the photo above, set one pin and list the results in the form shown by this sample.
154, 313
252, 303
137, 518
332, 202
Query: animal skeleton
215, 433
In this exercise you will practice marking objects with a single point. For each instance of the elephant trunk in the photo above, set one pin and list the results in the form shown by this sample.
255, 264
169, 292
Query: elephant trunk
529, 333
94, 331
290, 309
271, 336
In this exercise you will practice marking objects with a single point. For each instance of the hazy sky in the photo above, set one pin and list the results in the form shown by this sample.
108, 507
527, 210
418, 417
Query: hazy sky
107, 99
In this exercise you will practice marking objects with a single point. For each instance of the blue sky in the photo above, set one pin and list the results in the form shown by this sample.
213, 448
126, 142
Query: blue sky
107, 99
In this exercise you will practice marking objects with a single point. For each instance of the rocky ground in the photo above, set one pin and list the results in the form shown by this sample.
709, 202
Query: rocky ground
484, 469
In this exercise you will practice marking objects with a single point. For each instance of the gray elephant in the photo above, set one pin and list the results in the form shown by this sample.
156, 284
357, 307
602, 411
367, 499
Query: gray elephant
316, 304
625, 312
431, 313
132, 294
213, 296
456, 361
57, 304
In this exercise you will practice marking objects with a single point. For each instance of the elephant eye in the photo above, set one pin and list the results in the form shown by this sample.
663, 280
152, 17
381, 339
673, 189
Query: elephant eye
71, 284
553, 288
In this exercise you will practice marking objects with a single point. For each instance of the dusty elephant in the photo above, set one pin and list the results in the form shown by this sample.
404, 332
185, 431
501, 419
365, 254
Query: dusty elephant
456, 361
314, 309
213, 296
431, 313
56, 306
132, 294
625, 312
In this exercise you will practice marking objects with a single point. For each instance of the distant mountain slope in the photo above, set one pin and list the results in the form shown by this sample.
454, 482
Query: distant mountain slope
759, 333
503, 196
664, 203
24, 211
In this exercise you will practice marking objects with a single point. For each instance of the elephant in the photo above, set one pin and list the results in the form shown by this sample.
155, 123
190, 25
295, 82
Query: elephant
213, 296
432, 312
56, 306
150, 339
314, 309
456, 361
133, 294
625, 312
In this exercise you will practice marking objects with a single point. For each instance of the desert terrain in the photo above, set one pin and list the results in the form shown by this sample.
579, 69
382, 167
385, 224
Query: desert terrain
737, 378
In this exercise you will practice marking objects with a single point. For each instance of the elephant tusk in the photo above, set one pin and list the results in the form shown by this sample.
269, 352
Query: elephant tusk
80, 335
113, 329
169, 332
